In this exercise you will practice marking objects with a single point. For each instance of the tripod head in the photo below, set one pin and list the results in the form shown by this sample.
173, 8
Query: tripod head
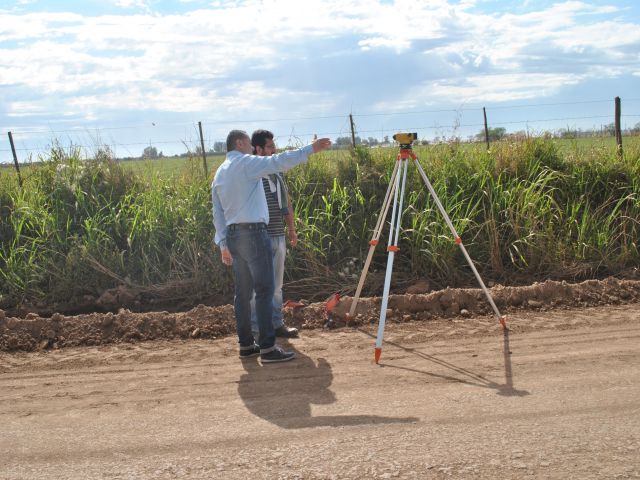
405, 139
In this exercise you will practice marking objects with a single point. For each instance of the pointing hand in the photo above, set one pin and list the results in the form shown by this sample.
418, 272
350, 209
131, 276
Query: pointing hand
321, 144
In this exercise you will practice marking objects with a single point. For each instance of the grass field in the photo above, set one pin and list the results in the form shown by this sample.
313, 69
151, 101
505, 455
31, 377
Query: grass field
528, 209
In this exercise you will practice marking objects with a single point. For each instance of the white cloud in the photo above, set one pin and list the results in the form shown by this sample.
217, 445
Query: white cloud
494, 88
132, 3
397, 44
26, 108
216, 58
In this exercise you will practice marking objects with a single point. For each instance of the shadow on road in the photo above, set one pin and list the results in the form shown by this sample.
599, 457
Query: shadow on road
464, 376
283, 394
507, 389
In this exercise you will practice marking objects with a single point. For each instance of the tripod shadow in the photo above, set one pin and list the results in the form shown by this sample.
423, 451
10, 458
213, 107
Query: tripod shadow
464, 376
507, 389
283, 394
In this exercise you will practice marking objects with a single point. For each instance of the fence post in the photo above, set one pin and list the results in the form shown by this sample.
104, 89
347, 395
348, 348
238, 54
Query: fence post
353, 132
618, 128
486, 127
15, 159
204, 154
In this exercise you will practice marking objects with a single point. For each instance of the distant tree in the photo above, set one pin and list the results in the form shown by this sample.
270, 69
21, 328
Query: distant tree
346, 141
219, 147
150, 152
518, 134
495, 133
373, 141
609, 129
386, 139
198, 151
568, 133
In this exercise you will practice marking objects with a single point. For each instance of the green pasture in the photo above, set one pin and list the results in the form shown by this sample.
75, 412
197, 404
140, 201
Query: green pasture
527, 210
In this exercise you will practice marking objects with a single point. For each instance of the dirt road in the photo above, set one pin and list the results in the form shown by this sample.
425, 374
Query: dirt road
557, 397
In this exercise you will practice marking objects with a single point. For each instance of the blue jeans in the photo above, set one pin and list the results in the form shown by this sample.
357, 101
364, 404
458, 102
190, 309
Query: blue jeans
278, 254
252, 270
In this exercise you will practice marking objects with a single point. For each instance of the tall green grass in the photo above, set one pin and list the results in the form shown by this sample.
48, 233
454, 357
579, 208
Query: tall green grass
79, 227
526, 210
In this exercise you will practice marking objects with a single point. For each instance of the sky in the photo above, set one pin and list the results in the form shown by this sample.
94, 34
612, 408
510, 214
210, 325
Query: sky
133, 73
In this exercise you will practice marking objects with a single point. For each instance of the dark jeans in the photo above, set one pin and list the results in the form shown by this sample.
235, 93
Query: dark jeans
253, 270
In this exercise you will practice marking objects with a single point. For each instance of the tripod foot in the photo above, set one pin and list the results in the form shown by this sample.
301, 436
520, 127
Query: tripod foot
377, 354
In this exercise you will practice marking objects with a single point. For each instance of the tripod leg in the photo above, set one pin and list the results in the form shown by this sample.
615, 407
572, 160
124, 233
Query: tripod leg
458, 240
374, 240
396, 218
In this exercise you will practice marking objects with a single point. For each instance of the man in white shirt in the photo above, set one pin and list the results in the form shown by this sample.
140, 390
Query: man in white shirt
240, 216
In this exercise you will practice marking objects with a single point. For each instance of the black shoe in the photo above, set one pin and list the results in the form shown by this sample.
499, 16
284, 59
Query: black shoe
249, 352
286, 332
277, 355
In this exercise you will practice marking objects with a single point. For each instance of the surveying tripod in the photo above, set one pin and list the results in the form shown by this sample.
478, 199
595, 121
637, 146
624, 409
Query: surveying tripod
396, 189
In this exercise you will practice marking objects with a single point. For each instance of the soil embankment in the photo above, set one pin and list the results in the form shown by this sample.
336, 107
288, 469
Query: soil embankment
33, 332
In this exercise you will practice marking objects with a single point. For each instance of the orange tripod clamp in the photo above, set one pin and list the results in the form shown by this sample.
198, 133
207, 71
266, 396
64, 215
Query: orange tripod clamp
406, 154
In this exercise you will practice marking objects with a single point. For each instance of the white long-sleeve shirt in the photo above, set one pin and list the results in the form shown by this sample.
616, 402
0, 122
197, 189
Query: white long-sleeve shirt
237, 192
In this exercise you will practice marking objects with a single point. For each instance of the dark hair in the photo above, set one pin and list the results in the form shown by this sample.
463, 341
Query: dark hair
233, 136
259, 138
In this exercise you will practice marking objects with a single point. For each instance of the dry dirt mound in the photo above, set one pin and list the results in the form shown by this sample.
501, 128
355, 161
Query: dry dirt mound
35, 332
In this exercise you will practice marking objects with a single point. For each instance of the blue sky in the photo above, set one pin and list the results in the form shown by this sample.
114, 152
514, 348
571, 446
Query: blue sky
129, 73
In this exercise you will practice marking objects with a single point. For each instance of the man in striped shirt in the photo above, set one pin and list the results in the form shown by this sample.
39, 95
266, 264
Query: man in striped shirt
280, 211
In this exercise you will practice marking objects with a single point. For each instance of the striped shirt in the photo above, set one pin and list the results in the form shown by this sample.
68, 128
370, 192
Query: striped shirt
276, 223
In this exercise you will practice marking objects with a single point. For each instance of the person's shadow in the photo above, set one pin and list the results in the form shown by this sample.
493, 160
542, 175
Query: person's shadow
283, 394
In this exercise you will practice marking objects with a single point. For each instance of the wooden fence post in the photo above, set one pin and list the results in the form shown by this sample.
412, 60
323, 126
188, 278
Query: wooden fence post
618, 128
486, 128
353, 132
15, 159
204, 154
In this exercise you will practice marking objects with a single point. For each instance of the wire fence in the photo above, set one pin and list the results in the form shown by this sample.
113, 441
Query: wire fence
182, 138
